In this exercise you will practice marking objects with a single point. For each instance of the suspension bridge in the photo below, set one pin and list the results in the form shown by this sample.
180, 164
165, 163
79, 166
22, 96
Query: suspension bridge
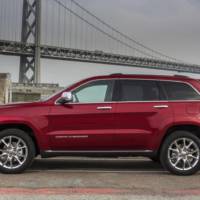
66, 30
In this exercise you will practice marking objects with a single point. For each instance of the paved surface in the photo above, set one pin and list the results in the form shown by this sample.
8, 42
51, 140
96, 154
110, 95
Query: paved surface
96, 179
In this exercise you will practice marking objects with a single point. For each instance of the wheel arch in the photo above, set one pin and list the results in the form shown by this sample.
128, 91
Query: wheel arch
24, 127
193, 128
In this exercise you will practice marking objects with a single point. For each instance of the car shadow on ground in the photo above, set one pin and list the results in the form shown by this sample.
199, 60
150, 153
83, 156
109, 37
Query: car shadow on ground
96, 164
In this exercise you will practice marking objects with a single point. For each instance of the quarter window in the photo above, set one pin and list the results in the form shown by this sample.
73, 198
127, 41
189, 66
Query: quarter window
139, 90
94, 92
180, 91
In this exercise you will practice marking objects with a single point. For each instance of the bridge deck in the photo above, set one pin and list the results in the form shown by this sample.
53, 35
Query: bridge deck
53, 52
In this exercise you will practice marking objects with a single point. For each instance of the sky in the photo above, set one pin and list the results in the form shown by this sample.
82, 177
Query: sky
170, 26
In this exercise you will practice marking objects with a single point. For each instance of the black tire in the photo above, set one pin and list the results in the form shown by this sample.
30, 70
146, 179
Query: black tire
31, 152
165, 161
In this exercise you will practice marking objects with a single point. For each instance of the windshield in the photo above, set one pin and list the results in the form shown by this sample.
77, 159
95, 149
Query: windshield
46, 98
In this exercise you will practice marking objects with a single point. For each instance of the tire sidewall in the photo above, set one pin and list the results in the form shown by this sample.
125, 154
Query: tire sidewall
30, 145
164, 152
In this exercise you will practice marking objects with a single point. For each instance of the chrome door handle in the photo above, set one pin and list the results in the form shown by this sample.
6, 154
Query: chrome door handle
161, 106
104, 108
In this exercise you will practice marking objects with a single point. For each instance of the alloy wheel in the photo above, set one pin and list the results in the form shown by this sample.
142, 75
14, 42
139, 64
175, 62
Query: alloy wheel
183, 154
13, 152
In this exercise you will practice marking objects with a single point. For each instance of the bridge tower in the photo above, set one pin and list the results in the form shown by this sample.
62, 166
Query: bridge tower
31, 29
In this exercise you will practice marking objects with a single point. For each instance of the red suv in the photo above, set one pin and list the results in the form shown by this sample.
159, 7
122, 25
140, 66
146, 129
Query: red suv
109, 116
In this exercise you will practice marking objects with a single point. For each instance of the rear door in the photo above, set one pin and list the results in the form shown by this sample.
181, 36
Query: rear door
142, 111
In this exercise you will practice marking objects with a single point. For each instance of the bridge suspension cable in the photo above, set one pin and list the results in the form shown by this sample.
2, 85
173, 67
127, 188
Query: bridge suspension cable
71, 32
151, 52
104, 32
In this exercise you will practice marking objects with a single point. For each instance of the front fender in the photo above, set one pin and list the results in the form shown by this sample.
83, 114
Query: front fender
38, 125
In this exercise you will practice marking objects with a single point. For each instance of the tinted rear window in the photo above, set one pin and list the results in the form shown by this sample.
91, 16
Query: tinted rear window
180, 91
139, 90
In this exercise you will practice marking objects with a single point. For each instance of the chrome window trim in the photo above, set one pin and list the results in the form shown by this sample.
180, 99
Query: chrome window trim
145, 79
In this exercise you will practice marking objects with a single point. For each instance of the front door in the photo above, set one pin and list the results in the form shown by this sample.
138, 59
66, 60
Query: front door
87, 123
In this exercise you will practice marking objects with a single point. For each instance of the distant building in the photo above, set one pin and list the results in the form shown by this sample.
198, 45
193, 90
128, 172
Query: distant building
5, 88
19, 92
32, 92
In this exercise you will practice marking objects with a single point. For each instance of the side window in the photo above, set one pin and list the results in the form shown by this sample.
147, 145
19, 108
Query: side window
180, 91
139, 90
94, 92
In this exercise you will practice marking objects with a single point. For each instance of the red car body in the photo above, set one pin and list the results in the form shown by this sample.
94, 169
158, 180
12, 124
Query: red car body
129, 127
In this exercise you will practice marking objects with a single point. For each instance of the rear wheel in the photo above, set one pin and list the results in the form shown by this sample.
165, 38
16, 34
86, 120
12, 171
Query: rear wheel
17, 151
180, 153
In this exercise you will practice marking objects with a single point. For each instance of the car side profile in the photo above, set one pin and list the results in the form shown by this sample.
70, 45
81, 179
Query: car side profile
108, 116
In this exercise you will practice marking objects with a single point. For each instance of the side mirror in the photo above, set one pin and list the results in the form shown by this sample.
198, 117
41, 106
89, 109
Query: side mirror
65, 98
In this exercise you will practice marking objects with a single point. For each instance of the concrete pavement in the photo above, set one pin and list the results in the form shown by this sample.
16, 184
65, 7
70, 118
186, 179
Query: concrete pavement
83, 178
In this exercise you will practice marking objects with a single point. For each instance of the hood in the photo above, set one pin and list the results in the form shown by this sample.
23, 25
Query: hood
19, 104
20, 109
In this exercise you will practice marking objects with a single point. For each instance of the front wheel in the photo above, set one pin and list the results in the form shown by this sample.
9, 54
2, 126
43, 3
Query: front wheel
180, 153
17, 151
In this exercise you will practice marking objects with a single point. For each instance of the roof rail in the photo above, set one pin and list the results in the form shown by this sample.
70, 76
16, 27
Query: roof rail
181, 76
116, 74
